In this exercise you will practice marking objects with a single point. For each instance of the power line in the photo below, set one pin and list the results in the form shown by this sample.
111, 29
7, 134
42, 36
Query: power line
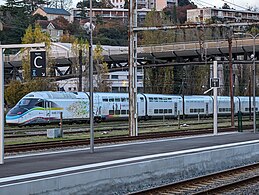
205, 3
235, 4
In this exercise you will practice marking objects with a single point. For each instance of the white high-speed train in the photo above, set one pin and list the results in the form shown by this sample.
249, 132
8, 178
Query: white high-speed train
46, 106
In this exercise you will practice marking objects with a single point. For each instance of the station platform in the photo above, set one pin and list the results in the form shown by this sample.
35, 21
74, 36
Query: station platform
20, 169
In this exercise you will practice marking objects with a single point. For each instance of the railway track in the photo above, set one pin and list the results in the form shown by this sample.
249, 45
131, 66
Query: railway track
217, 183
42, 131
112, 139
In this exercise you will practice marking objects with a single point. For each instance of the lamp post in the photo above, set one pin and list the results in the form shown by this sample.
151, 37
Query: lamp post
91, 80
89, 28
254, 77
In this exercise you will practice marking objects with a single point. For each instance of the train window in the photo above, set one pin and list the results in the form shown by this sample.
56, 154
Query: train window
123, 111
165, 110
160, 99
111, 112
117, 99
127, 111
123, 99
127, 99
246, 109
170, 110
156, 111
142, 99
39, 104
24, 102
191, 110
117, 112
169, 99
151, 99
155, 99
161, 111
105, 99
115, 77
111, 99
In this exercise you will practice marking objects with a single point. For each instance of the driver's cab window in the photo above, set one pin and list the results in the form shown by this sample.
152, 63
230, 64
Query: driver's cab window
40, 103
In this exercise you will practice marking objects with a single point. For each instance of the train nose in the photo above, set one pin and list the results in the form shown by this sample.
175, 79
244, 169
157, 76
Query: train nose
12, 119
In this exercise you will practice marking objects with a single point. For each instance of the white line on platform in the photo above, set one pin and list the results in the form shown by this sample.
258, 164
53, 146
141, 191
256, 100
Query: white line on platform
128, 160
110, 146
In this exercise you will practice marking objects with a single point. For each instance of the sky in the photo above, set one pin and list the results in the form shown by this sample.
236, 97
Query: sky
74, 2
207, 3
219, 3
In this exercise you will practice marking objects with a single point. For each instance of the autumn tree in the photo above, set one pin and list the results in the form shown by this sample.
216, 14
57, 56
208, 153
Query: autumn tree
101, 70
35, 36
157, 79
15, 90
80, 47
100, 67
67, 38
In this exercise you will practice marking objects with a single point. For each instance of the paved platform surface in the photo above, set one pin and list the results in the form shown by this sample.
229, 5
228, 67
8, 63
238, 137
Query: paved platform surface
30, 164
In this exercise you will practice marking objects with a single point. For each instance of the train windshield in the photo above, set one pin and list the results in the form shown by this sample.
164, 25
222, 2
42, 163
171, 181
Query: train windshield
24, 105
30, 103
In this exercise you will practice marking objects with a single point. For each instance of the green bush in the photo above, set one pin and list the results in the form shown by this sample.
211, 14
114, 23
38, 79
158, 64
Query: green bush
16, 90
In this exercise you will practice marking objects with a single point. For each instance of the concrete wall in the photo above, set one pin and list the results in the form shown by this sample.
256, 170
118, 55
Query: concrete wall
121, 179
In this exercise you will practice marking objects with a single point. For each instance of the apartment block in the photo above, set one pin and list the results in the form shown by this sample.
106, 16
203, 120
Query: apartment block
209, 14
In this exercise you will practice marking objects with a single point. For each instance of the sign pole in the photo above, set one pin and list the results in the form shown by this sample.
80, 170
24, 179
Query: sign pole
2, 116
215, 102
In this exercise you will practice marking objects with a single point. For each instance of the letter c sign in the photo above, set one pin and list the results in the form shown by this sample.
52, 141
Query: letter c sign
38, 63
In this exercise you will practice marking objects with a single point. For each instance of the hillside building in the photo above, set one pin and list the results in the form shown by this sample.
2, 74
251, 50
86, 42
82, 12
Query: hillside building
53, 13
209, 14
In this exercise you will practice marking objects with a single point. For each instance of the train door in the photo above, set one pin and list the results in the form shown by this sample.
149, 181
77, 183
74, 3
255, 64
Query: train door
48, 110
141, 106
175, 109
207, 109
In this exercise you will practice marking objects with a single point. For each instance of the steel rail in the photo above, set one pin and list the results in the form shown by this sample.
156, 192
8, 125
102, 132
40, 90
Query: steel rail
209, 184
112, 139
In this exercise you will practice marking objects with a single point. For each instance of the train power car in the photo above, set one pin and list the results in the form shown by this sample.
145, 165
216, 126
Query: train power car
45, 107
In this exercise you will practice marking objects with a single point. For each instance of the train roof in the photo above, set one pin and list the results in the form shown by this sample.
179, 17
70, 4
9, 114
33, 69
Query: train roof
109, 94
163, 95
198, 97
227, 98
56, 95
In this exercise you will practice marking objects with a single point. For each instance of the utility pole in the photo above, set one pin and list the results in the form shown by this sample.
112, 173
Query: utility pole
80, 70
201, 37
133, 117
91, 106
231, 78
253, 57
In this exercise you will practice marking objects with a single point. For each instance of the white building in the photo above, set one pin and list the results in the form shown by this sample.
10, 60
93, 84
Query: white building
158, 5
217, 14
119, 82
